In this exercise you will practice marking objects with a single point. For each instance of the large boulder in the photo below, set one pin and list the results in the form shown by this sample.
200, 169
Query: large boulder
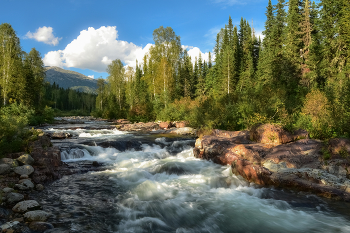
36, 215
339, 147
24, 170
165, 125
274, 134
25, 206
60, 135
4, 169
9, 161
183, 131
25, 159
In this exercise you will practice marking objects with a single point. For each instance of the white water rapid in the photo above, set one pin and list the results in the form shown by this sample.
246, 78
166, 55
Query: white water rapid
163, 191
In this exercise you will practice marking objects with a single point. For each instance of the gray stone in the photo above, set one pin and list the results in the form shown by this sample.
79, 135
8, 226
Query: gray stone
4, 169
275, 167
24, 177
9, 225
26, 159
9, 161
25, 206
24, 170
14, 197
36, 215
39, 187
24, 185
7, 190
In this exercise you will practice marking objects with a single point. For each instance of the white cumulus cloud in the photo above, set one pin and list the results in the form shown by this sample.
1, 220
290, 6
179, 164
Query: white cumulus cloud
94, 49
195, 51
91, 76
44, 34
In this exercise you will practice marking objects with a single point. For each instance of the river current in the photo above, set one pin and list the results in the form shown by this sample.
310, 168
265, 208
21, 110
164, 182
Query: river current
153, 183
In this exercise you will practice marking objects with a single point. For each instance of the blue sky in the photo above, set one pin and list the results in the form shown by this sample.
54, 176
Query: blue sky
85, 35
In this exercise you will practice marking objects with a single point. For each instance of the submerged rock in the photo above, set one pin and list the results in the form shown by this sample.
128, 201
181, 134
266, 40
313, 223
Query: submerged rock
40, 226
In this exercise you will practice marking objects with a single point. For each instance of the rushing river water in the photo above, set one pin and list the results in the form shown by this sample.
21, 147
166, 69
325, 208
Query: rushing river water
159, 186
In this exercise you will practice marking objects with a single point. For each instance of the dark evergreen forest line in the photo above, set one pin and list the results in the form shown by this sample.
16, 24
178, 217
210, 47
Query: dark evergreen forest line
298, 76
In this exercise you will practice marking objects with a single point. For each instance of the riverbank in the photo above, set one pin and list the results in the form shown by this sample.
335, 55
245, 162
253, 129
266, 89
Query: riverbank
271, 157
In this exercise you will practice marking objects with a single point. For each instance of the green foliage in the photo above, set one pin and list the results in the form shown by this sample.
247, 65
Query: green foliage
14, 135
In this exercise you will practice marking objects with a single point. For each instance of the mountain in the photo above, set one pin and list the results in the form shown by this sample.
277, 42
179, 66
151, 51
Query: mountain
70, 79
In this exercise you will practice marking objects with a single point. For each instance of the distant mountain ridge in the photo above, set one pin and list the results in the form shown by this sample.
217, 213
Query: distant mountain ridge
70, 79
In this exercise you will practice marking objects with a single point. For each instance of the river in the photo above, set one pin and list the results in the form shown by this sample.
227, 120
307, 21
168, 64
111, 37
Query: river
153, 183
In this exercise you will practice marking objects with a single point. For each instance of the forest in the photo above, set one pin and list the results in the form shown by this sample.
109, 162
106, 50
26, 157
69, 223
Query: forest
297, 76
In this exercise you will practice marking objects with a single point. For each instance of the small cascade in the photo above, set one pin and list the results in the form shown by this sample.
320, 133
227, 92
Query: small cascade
74, 153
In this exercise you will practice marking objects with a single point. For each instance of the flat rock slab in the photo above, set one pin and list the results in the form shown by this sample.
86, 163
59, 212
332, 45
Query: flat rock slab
36, 215
25, 206
24, 170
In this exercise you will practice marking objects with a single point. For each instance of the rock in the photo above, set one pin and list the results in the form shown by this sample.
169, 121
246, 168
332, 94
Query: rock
183, 131
24, 185
7, 190
24, 170
9, 161
339, 147
269, 134
122, 121
60, 135
25, 159
181, 124
40, 226
95, 164
165, 125
24, 177
24, 206
4, 169
14, 198
36, 215
39, 187
9, 225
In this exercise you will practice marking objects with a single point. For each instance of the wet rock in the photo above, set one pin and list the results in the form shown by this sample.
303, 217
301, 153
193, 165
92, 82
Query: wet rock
14, 198
60, 135
25, 159
7, 190
25, 206
39, 187
24, 185
36, 215
95, 164
40, 226
24, 170
9, 161
4, 169
9, 225
142, 127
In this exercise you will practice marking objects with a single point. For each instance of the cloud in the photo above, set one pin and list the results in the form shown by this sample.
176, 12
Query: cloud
44, 34
94, 49
230, 2
91, 76
195, 51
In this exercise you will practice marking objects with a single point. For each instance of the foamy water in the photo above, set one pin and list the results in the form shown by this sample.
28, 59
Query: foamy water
178, 193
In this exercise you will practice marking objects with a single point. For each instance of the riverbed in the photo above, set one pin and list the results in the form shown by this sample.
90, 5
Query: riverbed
153, 183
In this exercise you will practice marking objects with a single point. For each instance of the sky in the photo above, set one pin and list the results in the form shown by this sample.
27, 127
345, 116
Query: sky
86, 35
